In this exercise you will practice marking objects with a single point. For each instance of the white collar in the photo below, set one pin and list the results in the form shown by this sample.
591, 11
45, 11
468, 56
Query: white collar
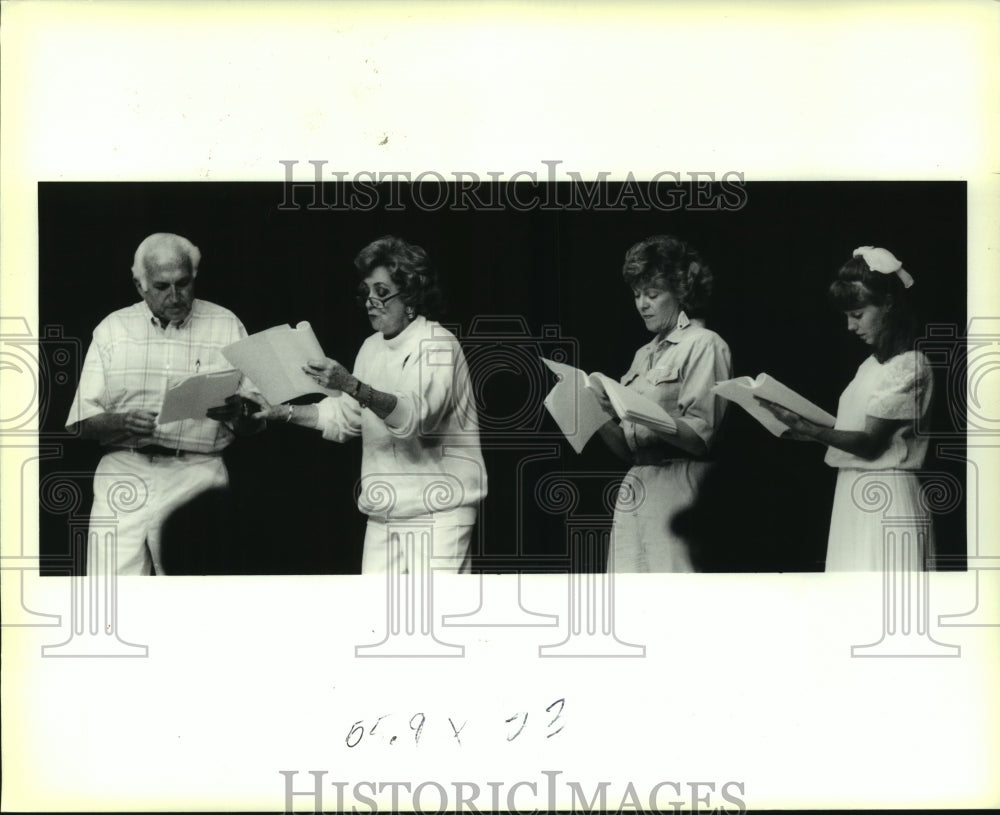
404, 336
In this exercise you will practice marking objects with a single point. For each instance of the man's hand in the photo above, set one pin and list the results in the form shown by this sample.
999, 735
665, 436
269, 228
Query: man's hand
137, 422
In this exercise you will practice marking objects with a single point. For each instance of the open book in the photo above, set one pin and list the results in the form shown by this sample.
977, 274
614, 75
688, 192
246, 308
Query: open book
743, 389
273, 360
579, 414
192, 396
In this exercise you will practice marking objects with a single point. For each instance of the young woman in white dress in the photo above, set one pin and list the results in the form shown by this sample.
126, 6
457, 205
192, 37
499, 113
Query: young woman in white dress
875, 444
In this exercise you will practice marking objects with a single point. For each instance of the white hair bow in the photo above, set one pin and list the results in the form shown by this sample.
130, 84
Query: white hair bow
884, 262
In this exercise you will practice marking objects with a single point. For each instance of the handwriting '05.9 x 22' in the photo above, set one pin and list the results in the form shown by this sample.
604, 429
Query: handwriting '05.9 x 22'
388, 728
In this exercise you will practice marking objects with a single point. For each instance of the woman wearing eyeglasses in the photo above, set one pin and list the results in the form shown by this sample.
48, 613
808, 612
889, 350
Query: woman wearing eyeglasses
410, 400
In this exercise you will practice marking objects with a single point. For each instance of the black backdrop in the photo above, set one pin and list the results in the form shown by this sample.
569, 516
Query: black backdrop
519, 280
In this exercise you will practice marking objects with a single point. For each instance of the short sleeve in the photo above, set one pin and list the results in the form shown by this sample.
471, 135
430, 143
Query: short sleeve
91, 394
904, 390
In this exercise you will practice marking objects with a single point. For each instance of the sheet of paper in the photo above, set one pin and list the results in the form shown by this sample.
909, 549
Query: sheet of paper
273, 360
630, 405
192, 396
740, 391
575, 409
743, 391
770, 388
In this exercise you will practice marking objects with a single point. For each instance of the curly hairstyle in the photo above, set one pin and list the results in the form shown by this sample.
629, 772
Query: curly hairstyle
674, 264
857, 286
409, 268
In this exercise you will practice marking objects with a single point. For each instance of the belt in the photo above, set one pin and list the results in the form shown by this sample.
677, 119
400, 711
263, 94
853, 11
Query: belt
159, 451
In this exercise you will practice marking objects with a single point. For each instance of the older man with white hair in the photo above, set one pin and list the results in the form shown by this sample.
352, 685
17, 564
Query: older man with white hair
134, 353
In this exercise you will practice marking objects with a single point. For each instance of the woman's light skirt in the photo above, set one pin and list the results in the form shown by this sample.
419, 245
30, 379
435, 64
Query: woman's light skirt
879, 523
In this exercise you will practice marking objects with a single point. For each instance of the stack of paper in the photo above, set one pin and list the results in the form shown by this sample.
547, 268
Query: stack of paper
274, 359
630, 405
573, 406
192, 396
576, 409
743, 389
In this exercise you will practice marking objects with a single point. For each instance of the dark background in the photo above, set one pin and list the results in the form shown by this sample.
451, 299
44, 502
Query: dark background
518, 284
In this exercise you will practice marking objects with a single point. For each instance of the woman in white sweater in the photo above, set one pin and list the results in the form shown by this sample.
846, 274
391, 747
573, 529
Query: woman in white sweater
410, 400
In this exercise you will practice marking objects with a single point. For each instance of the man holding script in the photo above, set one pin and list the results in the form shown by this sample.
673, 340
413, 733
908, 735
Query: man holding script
136, 353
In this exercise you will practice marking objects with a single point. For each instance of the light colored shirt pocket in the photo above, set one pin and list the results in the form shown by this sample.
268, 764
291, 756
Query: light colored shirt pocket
663, 386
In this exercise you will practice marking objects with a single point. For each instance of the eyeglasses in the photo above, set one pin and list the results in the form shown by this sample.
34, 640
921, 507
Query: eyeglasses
376, 302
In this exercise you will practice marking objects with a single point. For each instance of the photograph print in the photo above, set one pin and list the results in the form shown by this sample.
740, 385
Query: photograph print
444, 317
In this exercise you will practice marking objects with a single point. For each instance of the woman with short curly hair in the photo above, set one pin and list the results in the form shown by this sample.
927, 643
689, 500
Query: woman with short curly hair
671, 284
410, 400
410, 270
